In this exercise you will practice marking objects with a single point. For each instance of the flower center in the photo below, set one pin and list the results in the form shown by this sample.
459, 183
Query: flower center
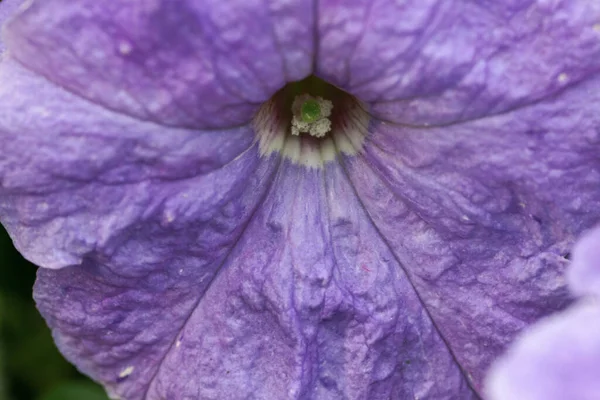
311, 109
311, 115
311, 122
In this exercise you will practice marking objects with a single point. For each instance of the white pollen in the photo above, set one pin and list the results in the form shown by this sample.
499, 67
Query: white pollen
126, 372
302, 126
320, 128
317, 128
326, 106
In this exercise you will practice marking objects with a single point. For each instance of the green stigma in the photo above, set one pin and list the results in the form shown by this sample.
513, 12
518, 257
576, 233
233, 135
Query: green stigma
311, 111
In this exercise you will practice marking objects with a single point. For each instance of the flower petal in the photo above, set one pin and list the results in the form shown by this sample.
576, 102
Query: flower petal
311, 303
161, 60
431, 62
481, 214
77, 178
120, 311
584, 273
7, 10
558, 358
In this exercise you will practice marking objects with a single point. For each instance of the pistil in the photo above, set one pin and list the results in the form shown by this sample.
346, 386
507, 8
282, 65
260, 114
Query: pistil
311, 115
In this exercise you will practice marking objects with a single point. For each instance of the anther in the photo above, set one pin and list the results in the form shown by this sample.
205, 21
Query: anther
311, 115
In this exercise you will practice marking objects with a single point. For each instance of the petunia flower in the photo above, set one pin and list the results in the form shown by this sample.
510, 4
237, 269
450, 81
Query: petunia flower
192, 247
559, 357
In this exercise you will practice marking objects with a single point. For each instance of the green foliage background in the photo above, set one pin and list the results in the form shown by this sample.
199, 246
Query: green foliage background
30, 366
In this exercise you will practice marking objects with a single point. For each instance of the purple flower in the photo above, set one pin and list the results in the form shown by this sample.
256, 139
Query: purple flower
204, 231
559, 358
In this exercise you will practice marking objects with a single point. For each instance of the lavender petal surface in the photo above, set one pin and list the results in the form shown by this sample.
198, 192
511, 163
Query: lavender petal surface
180, 261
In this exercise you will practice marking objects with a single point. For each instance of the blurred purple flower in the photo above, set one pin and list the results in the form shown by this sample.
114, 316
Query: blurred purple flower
191, 248
559, 358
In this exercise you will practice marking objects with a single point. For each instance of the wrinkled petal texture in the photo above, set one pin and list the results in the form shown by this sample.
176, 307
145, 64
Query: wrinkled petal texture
440, 62
161, 60
180, 264
484, 212
558, 358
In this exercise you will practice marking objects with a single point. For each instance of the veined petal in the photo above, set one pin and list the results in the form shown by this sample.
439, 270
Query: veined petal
183, 282
117, 313
558, 358
483, 214
76, 178
431, 62
192, 63
311, 303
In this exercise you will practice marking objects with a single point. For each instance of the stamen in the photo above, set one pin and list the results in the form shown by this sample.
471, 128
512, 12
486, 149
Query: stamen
310, 115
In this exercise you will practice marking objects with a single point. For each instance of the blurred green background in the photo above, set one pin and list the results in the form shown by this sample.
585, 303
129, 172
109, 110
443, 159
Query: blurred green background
31, 367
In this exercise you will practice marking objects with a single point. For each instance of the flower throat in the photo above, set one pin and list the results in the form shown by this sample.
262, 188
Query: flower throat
310, 122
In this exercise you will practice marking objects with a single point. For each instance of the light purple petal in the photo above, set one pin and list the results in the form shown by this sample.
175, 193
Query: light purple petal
311, 303
584, 273
149, 213
430, 62
77, 179
557, 359
184, 63
482, 214
192, 283
126, 309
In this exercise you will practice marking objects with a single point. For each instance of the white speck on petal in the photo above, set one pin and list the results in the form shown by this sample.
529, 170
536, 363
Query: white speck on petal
125, 47
169, 216
41, 111
126, 372
563, 77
